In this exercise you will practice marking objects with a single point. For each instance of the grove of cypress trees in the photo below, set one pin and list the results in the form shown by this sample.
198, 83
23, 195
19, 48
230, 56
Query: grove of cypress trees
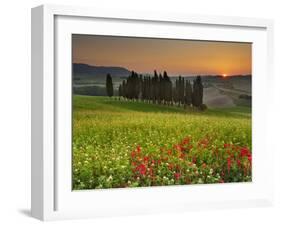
159, 89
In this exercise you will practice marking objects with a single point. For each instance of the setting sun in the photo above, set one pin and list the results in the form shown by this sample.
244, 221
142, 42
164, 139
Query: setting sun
177, 57
224, 75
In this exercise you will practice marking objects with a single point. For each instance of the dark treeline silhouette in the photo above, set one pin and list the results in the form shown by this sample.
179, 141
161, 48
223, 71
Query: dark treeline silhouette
159, 89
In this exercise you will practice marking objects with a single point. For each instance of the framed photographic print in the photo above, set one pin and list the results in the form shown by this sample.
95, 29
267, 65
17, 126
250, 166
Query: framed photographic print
137, 112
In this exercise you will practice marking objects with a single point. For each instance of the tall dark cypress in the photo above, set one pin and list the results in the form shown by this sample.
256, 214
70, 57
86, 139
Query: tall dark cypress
154, 86
109, 85
167, 92
197, 95
188, 93
124, 89
200, 90
177, 92
120, 91
148, 89
161, 89
144, 88
182, 90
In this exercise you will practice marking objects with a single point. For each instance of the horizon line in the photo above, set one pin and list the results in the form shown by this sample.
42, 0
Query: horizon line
172, 75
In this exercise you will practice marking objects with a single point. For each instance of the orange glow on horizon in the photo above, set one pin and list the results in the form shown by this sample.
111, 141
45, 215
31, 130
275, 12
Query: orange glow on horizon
177, 57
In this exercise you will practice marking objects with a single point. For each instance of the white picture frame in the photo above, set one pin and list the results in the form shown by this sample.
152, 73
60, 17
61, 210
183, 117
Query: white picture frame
52, 197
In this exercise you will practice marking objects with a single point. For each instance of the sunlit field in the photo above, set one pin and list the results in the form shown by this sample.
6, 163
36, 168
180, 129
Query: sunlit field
121, 143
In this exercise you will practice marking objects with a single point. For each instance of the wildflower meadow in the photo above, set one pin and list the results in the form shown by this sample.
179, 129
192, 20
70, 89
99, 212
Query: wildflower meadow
124, 143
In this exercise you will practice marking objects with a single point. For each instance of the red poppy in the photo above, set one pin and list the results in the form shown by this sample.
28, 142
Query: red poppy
226, 145
238, 162
194, 160
133, 154
142, 169
138, 149
145, 159
171, 166
177, 176
250, 159
182, 155
244, 152
228, 163
185, 140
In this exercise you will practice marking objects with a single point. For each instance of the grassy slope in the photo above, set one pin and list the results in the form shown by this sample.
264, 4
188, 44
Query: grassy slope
107, 130
107, 104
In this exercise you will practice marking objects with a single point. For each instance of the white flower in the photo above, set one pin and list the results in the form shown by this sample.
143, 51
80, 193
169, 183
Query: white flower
109, 178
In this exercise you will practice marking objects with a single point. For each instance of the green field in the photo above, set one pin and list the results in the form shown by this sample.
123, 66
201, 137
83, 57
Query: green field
134, 144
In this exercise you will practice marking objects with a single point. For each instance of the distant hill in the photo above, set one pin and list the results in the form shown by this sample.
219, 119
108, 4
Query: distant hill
85, 70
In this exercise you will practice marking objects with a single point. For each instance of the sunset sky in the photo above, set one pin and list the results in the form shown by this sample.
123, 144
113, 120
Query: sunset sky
177, 57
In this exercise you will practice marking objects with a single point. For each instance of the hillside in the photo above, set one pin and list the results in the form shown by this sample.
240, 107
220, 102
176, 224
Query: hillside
85, 70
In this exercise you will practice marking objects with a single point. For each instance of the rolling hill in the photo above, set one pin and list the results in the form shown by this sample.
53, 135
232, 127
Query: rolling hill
90, 71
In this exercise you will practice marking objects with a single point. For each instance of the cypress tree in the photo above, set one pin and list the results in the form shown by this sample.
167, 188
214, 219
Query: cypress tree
182, 90
200, 85
124, 89
140, 88
170, 92
144, 88
109, 85
161, 89
188, 93
197, 95
177, 92
154, 86
120, 91
166, 88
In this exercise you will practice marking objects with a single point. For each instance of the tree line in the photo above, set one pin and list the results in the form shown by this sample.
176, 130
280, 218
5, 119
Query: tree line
159, 89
